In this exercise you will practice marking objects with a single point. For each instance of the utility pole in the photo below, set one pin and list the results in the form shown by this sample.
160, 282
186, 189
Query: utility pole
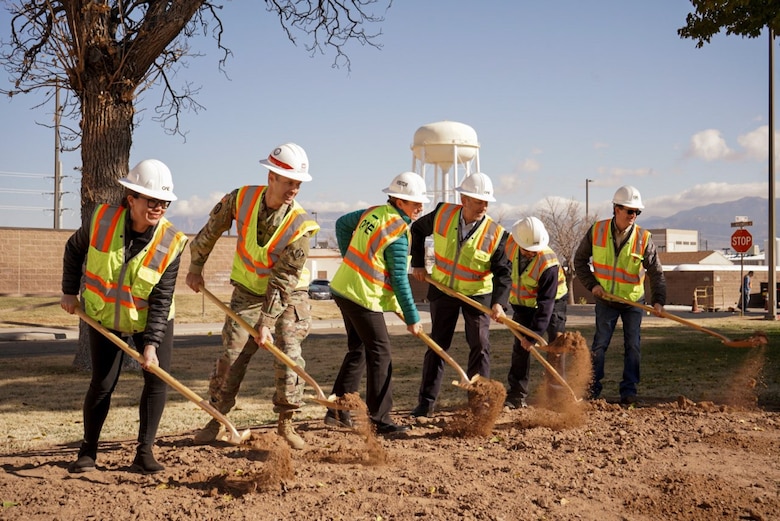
57, 164
587, 200
771, 246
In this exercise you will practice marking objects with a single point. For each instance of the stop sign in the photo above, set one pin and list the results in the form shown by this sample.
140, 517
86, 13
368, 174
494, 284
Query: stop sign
741, 240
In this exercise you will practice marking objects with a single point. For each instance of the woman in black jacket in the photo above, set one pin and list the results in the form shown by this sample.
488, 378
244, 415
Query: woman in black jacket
125, 264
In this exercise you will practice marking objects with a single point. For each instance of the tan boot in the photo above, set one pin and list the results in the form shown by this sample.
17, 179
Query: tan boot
287, 431
207, 434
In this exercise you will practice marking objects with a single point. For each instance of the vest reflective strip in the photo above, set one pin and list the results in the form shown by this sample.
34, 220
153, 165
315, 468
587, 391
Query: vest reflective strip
444, 218
604, 271
104, 223
527, 294
248, 198
111, 293
253, 264
486, 241
107, 232
363, 262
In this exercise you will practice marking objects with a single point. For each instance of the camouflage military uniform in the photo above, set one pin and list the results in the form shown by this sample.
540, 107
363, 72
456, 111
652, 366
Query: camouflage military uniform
284, 309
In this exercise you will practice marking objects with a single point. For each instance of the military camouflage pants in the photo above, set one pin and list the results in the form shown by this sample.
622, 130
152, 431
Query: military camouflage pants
291, 329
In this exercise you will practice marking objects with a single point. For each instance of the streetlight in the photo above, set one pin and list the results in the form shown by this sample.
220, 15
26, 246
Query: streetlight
587, 182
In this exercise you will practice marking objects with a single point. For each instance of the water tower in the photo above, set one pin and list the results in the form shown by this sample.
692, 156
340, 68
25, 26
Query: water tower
451, 148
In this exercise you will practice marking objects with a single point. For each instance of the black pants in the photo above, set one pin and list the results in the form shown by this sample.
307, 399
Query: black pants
369, 351
444, 316
106, 366
519, 371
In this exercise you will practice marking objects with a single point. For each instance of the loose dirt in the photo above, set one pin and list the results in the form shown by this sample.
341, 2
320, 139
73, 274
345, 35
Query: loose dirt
681, 460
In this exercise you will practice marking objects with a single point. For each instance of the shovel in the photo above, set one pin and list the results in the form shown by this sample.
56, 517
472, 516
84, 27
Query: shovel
331, 402
516, 330
231, 435
465, 382
754, 341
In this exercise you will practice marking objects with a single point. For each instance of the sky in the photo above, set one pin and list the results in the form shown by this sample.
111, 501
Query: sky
556, 92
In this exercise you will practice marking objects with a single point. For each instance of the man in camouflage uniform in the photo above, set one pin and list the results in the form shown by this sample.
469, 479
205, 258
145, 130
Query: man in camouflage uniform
270, 284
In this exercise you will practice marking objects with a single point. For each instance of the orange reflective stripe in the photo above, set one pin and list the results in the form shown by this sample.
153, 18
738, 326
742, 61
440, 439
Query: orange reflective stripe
104, 222
601, 233
447, 212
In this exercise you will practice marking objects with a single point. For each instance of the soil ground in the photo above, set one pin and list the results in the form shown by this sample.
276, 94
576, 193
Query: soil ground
667, 458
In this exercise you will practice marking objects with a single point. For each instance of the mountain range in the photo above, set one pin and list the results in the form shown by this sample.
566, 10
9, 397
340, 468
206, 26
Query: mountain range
712, 221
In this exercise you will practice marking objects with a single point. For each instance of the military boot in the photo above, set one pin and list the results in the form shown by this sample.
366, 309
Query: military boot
286, 430
208, 433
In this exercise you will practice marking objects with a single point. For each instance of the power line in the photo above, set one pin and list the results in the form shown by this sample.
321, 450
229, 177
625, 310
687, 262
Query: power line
24, 174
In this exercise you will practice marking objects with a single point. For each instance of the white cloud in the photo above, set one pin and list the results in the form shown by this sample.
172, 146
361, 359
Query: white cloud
195, 206
756, 143
598, 145
703, 194
616, 176
709, 145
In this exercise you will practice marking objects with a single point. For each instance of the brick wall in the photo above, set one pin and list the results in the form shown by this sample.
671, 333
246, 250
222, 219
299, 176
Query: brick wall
31, 264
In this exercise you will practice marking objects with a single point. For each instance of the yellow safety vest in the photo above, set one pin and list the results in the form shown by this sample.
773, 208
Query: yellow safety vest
464, 267
622, 275
252, 263
116, 294
525, 286
363, 277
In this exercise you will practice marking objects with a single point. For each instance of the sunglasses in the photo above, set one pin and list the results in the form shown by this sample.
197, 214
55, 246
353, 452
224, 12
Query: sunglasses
630, 211
153, 203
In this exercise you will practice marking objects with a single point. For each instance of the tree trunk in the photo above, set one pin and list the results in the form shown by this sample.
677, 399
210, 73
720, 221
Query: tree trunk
106, 125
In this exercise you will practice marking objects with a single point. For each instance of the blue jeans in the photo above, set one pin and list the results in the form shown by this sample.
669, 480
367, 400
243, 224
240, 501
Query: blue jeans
606, 320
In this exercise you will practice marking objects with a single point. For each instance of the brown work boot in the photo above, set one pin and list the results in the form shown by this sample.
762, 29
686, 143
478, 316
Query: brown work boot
287, 431
207, 434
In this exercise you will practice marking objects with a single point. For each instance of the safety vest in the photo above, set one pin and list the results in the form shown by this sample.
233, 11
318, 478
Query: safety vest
252, 263
464, 267
525, 285
622, 275
363, 277
116, 292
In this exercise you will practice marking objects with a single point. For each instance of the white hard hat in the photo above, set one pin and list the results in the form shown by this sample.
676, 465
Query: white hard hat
530, 234
409, 187
152, 178
478, 186
628, 196
288, 160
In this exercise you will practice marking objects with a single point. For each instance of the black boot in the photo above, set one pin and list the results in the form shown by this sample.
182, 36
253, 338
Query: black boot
86, 459
144, 461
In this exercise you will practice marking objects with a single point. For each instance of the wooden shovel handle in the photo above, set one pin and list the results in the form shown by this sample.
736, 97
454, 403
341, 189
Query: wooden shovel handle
436, 348
278, 353
514, 326
233, 434
665, 314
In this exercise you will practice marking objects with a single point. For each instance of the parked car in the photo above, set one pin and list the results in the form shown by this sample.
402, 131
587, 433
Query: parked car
319, 289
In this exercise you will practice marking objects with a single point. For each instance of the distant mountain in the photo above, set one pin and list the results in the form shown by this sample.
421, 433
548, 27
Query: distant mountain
713, 221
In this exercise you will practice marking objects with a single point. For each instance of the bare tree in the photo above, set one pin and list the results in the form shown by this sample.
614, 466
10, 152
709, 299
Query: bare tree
566, 224
104, 53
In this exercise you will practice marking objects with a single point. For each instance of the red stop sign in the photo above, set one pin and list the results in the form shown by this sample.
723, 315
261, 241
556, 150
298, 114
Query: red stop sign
741, 240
